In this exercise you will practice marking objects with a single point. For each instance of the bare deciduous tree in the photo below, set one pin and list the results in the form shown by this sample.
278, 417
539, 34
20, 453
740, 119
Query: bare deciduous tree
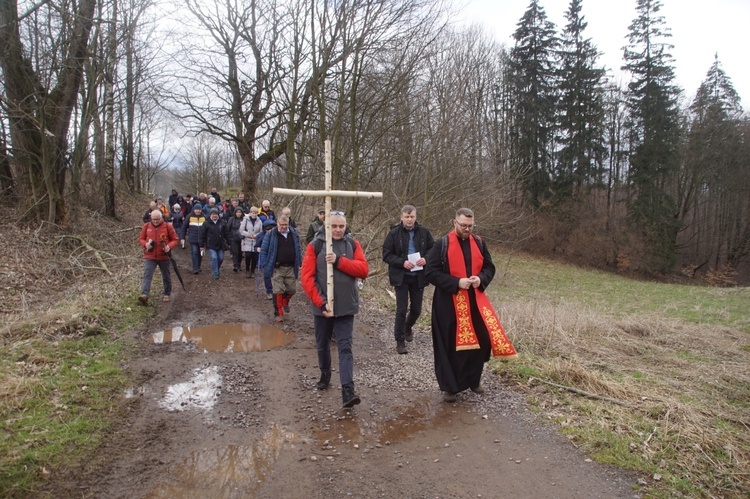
41, 96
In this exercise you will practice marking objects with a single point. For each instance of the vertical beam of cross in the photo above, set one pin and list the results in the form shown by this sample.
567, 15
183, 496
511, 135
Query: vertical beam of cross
328, 193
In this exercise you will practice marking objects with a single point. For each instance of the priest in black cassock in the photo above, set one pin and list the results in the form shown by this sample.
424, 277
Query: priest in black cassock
465, 327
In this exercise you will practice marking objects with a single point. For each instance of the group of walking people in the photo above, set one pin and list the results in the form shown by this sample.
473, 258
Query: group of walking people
466, 330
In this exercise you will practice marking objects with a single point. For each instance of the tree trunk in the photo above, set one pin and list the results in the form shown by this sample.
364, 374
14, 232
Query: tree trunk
40, 119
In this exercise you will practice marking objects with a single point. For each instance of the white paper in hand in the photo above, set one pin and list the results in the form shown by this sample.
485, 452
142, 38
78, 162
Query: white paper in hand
413, 257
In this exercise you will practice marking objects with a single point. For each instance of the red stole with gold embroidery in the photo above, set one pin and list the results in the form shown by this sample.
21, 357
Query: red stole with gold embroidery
466, 338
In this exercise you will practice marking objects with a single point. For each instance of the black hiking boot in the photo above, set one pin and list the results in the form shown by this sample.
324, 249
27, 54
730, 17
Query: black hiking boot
408, 334
325, 380
348, 396
401, 347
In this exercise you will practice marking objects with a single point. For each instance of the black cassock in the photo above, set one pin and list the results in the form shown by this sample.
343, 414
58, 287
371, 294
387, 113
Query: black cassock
456, 371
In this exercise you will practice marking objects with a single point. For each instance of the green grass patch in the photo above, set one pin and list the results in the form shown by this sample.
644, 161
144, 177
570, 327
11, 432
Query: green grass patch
61, 389
62, 397
531, 278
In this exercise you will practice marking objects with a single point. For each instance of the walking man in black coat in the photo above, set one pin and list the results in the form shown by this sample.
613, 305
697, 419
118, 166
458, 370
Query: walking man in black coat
404, 251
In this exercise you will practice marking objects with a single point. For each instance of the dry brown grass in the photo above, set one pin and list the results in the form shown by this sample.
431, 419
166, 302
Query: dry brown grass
52, 275
687, 388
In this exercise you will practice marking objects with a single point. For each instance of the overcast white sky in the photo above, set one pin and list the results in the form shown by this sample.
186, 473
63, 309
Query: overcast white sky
700, 29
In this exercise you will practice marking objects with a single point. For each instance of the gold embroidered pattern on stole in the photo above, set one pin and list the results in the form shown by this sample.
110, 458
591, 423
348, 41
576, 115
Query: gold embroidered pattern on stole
498, 340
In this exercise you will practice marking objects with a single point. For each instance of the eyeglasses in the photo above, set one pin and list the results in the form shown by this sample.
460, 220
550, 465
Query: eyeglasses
338, 213
465, 226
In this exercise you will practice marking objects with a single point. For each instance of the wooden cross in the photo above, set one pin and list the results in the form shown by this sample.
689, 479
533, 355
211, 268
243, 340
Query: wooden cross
328, 193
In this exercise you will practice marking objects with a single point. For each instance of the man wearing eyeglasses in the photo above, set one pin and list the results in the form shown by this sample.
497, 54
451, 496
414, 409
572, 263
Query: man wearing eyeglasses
465, 326
158, 239
349, 264
281, 256
404, 249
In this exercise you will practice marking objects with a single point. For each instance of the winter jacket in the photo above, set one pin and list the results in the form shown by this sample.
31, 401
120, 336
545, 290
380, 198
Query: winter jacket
207, 209
214, 235
162, 235
233, 229
176, 218
350, 265
192, 228
396, 250
313, 229
270, 246
266, 215
147, 216
250, 229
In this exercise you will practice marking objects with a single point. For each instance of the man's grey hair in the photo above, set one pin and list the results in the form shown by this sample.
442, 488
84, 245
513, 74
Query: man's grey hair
408, 209
283, 218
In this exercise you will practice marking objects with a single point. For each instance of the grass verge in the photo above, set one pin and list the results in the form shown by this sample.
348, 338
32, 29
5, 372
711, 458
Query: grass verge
650, 377
61, 385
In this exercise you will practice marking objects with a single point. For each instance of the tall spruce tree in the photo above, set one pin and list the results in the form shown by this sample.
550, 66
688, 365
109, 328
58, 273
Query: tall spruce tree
715, 181
654, 135
581, 119
532, 94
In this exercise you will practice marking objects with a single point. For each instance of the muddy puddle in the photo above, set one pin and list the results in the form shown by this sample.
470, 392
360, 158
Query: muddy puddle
227, 337
422, 414
232, 471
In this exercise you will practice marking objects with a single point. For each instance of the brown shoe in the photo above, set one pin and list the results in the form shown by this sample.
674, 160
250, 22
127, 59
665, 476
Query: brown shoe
165, 298
478, 389
143, 299
449, 397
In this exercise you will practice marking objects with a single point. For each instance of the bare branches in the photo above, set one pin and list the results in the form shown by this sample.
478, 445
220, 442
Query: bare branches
88, 248
581, 392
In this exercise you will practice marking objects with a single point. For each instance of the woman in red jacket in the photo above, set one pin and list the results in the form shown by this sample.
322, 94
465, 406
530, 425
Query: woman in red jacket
158, 239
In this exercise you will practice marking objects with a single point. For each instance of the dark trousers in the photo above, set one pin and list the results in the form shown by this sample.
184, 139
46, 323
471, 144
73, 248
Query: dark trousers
236, 248
341, 329
409, 291
251, 261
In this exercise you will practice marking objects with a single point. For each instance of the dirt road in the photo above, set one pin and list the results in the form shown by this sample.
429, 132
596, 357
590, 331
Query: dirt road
235, 413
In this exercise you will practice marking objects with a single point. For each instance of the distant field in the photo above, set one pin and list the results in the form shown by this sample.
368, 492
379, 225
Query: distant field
666, 368
523, 277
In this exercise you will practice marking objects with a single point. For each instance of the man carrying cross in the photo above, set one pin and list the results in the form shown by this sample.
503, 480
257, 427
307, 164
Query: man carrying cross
337, 321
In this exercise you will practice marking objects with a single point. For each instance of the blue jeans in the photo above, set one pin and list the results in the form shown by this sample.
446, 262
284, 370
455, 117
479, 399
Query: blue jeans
267, 283
217, 258
195, 255
409, 291
149, 266
340, 328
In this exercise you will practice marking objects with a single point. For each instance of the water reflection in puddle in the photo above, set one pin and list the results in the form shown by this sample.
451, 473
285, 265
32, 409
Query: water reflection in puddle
227, 337
200, 392
424, 413
233, 471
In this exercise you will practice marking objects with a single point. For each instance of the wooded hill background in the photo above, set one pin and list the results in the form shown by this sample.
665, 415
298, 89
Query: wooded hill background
554, 157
